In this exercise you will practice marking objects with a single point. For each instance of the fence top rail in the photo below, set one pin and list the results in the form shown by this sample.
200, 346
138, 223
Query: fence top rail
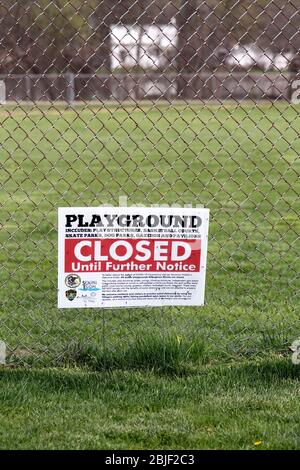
147, 74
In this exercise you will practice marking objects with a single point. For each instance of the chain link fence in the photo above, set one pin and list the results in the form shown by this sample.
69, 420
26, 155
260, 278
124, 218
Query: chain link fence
181, 102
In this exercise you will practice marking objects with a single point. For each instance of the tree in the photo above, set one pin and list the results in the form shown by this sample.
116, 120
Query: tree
41, 36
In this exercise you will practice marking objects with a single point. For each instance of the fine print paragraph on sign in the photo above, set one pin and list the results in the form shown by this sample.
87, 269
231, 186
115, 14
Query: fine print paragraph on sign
131, 256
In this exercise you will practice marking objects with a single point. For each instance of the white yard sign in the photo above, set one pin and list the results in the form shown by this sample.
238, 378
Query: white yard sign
131, 256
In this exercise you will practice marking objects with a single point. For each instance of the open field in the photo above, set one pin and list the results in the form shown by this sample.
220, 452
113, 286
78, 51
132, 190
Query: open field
215, 377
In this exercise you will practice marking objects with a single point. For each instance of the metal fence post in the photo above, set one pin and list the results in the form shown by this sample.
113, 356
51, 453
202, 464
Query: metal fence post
28, 87
2, 92
70, 89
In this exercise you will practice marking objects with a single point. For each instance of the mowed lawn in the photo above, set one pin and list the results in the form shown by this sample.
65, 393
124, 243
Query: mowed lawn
241, 406
213, 377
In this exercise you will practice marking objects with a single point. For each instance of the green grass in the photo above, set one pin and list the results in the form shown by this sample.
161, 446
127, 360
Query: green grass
195, 366
240, 161
222, 407
163, 353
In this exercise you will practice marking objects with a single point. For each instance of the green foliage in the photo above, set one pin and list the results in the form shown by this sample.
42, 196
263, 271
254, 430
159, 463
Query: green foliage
61, 21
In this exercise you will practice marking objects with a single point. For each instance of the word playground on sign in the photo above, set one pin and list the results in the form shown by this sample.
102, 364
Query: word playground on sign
134, 220
132, 256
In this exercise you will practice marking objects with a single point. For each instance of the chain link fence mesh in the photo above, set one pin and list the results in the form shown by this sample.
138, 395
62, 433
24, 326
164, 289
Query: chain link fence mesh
160, 102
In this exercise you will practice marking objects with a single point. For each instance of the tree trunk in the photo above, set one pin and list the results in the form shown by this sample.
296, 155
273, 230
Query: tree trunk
188, 57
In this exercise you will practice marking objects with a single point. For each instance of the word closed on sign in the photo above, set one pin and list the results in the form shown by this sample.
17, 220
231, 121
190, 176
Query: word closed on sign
122, 257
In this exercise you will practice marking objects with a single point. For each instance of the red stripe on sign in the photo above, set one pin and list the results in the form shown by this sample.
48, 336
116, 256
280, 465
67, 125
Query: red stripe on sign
113, 254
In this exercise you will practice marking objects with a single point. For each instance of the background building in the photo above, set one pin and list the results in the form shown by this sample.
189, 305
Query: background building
147, 46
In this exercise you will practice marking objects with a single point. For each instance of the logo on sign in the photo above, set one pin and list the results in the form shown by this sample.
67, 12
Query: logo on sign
72, 280
89, 286
71, 294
